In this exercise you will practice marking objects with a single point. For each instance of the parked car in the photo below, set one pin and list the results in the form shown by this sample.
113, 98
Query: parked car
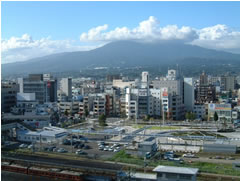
116, 145
219, 157
110, 149
30, 146
7, 143
230, 158
101, 143
86, 147
81, 145
67, 142
189, 155
75, 146
45, 149
55, 149
61, 150
23, 146
74, 136
116, 150
101, 147
80, 152
51, 148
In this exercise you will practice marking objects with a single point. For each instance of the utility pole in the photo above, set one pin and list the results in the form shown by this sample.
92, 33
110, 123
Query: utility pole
72, 142
40, 142
145, 164
163, 114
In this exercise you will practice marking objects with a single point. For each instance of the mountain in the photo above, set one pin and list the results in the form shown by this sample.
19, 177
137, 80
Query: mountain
122, 54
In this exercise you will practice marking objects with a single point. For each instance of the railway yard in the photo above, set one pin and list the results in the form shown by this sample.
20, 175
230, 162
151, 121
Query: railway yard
96, 153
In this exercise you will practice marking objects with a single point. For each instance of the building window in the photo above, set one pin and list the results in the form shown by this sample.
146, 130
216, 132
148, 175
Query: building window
171, 175
185, 177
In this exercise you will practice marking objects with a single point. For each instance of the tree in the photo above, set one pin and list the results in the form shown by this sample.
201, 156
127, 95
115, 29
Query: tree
146, 118
123, 115
215, 116
224, 123
230, 93
188, 115
102, 120
192, 116
66, 112
86, 112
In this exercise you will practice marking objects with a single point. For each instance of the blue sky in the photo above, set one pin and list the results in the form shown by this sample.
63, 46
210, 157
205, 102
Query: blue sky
67, 21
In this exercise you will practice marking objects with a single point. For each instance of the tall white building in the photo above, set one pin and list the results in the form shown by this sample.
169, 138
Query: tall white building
188, 94
66, 87
172, 74
145, 79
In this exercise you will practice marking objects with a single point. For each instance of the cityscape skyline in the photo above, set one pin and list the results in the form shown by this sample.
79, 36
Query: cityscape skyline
120, 90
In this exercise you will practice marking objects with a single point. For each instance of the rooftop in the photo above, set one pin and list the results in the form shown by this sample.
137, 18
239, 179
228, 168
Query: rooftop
47, 131
179, 170
144, 176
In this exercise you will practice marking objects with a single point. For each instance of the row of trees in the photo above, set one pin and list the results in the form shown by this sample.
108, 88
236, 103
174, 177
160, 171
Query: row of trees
190, 116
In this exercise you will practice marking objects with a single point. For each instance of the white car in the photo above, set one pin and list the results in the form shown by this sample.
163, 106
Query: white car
116, 150
23, 146
61, 150
78, 151
55, 149
30, 146
116, 144
105, 149
110, 149
189, 155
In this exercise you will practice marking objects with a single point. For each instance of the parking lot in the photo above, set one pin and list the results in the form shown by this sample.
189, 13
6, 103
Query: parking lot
89, 148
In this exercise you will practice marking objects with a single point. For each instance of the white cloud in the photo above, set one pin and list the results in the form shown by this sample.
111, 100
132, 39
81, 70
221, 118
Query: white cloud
23, 48
219, 37
148, 30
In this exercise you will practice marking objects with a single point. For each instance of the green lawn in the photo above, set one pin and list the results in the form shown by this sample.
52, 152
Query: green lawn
157, 127
164, 127
224, 169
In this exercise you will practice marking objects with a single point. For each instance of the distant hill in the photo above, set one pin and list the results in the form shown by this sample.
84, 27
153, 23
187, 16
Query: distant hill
122, 54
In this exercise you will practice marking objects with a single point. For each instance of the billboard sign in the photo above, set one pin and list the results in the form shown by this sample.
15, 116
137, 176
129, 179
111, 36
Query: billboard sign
224, 107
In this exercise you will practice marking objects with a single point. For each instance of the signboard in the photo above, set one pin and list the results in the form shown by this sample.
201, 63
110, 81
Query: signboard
224, 107
165, 92
142, 92
48, 84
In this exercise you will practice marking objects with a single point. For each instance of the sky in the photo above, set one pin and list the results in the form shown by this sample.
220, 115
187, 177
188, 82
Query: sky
34, 29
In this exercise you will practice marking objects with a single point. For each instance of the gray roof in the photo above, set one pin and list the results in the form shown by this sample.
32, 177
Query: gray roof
144, 176
46, 131
180, 170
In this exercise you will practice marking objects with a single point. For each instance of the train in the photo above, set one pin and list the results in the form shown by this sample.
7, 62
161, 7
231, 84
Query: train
44, 172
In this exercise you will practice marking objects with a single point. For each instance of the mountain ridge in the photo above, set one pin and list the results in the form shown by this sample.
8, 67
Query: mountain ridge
121, 54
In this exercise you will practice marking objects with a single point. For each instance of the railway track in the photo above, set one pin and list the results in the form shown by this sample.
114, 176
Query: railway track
87, 167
